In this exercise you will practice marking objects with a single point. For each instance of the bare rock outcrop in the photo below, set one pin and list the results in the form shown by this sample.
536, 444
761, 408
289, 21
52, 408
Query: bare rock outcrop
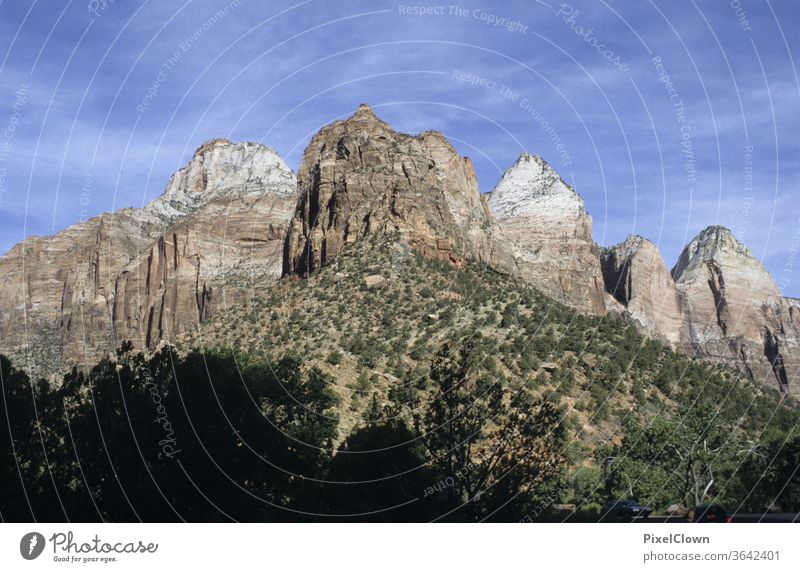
57, 291
147, 274
360, 177
231, 240
551, 231
636, 276
734, 310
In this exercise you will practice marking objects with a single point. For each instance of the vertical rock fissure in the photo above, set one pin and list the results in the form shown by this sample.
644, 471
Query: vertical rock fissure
773, 354
716, 283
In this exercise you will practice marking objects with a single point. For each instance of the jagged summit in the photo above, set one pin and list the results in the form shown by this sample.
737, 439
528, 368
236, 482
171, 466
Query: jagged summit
632, 243
636, 276
552, 232
360, 177
532, 187
709, 242
634, 238
364, 111
363, 119
218, 142
716, 247
222, 168
367, 122
145, 274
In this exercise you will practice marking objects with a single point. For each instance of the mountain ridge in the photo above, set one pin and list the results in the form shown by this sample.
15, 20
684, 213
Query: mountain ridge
236, 216
82, 292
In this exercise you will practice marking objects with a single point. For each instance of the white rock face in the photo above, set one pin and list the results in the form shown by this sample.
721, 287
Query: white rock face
552, 234
531, 188
222, 169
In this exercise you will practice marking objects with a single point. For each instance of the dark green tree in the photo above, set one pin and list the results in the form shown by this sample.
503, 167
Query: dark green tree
495, 450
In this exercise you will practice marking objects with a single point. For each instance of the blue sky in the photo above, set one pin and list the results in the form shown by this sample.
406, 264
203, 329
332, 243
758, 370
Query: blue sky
80, 134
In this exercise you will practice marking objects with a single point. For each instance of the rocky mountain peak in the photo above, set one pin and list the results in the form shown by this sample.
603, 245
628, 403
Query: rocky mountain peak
360, 177
221, 168
710, 243
635, 243
552, 231
532, 186
364, 121
208, 145
365, 113
716, 250
734, 310
147, 274
235, 217
636, 276
634, 247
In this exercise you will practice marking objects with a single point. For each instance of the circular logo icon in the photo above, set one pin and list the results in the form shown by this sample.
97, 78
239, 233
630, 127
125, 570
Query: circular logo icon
32, 545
